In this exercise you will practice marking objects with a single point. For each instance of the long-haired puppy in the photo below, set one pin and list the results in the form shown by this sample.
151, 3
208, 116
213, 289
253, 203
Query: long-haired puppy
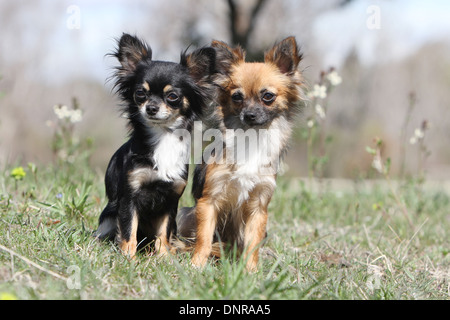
255, 100
147, 175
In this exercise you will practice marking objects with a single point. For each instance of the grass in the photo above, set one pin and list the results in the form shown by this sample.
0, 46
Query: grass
327, 244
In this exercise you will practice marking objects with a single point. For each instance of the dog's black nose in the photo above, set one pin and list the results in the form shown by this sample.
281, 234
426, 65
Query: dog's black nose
152, 110
254, 116
250, 116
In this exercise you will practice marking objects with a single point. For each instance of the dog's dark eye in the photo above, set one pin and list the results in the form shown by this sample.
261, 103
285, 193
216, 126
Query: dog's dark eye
237, 97
172, 97
268, 97
140, 94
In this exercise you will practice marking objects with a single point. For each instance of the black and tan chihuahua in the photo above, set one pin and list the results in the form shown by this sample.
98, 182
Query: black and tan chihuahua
147, 175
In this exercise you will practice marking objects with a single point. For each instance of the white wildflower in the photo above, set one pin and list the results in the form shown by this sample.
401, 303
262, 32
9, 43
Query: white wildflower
310, 123
76, 116
319, 91
334, 78
61, 112
377, 164
418, 133
320, 111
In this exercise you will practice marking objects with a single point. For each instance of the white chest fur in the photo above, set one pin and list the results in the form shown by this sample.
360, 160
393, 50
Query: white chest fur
258, 162
171, 155
246, 181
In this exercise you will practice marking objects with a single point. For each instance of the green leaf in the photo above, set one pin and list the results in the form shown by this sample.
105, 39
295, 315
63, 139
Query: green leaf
371, 150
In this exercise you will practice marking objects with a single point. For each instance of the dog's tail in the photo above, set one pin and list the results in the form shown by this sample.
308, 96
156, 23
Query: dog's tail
187, 231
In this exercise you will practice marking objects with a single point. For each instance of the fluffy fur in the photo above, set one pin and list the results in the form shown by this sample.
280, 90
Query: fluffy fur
147, 175
232, 198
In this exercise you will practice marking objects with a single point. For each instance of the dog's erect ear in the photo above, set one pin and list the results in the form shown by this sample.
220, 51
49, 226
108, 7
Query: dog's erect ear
227, 56
285, 55
131, 50
200, 63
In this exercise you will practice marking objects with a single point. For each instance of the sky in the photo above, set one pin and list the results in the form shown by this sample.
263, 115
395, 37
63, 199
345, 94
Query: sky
404, 26
84, 37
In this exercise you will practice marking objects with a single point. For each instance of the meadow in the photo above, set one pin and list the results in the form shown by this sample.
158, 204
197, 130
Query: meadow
365, 239
323, 243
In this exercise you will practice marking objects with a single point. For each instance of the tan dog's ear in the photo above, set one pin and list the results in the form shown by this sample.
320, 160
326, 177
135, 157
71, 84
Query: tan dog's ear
227, 56
285, 55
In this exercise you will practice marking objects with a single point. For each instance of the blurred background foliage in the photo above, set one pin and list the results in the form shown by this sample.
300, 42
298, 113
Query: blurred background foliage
392, 56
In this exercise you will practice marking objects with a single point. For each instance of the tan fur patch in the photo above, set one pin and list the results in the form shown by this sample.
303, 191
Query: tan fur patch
255, 223
179, 186
167, 88
206, 224
162, 245
185, 103
138, 177
129, 247
254, 78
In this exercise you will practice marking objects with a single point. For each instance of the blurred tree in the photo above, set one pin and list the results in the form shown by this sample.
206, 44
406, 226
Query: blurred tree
241, 26
243, 16
343, 3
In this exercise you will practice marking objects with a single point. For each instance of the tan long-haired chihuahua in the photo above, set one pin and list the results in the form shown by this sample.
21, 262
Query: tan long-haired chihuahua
257, 103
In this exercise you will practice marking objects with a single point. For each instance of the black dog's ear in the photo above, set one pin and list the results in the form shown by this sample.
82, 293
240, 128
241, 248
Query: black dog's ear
285, 55
227, 56
200, 63
131, 51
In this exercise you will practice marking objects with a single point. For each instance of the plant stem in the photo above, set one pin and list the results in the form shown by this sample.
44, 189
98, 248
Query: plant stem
403, 138
397, 200
310, 154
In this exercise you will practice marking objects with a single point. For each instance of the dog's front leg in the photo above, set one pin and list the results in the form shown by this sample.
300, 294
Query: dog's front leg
255, 216
206, 223
254, 233
162, 245
128, 225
